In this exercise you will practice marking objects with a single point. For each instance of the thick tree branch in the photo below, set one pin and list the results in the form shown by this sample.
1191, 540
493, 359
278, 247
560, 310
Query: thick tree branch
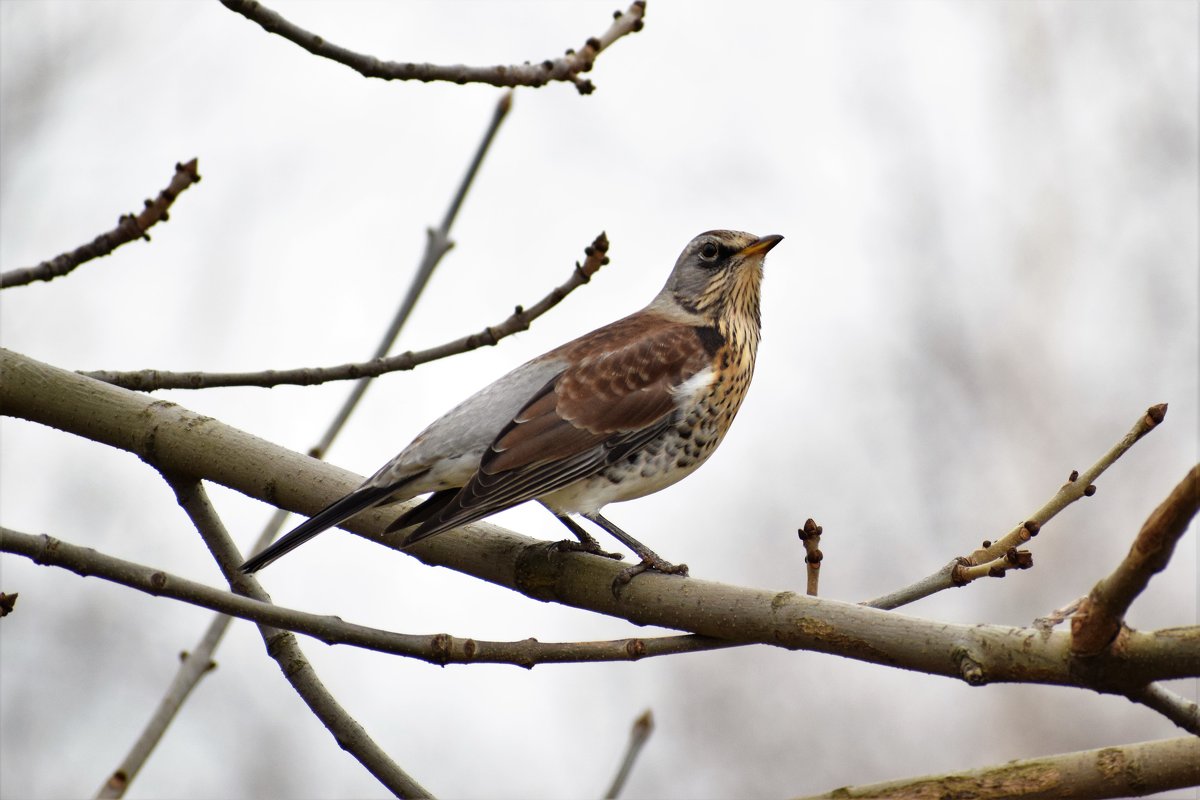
564, 68
178, 440
129, 227
1126, 771
438, 648
1102, 613
285, 650
996, 555
148, 380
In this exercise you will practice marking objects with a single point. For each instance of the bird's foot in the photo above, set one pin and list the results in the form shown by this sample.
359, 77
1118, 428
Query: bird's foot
591, 547
650, 563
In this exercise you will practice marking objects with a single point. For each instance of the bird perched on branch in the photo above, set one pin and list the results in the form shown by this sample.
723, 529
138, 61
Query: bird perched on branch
616, 414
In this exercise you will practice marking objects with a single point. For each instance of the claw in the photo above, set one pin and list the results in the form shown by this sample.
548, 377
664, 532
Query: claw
591, 547
646, 564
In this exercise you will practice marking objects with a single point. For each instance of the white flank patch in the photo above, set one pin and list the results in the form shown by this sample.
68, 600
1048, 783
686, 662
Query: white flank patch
691, 390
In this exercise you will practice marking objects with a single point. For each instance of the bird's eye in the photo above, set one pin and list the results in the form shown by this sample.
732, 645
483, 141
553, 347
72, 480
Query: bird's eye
709, 251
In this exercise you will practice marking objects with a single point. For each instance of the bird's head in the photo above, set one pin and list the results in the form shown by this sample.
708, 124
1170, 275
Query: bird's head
717, 278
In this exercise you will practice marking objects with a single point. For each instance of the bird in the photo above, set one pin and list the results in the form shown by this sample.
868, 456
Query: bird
616, 414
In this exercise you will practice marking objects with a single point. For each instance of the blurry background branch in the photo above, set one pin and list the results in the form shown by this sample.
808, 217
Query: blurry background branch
195, 664
129, 227
563, 68
639, 734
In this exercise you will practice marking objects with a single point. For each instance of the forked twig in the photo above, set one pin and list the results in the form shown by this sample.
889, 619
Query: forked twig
960, 571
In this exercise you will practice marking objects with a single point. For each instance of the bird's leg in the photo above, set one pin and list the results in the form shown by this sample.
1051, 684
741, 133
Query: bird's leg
586, 544
649, 559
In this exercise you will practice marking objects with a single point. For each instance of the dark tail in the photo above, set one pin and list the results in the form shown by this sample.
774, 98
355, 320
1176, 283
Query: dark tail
337, 512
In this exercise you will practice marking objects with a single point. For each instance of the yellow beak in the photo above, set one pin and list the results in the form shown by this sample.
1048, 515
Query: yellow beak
761, 245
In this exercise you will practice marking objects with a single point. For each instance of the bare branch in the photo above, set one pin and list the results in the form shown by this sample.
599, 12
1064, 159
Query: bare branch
193, 666
196, 664
643, 726
437, 244
959, 572
129, 227
1178, 709
283, 647
440, 648
564, 68
179, 440
1126, 771
810, 535
152, 380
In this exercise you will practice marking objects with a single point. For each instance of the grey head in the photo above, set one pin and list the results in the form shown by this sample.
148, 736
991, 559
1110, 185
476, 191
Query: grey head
717, 280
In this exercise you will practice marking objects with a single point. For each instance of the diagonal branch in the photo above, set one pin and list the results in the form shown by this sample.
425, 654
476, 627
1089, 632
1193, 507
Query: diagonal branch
565, 68
437, 244
996, 555
283, 647
129, 227
1102, 613
1183, 712
195, 664
1126, 771
639, 734
149, 380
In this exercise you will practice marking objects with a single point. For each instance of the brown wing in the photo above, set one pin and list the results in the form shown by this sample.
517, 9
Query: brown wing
616, 395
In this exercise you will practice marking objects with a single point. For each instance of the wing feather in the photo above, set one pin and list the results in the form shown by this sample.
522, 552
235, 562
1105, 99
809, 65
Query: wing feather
619, 393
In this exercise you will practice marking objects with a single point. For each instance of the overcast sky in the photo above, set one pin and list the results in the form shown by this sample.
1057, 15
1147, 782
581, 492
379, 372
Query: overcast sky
989, 272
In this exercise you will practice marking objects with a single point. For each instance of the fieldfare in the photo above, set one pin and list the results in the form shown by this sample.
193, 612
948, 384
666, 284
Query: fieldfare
616, 414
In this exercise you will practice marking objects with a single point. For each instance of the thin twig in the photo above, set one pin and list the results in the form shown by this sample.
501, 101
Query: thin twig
1102, 613
1178, 709
1125, 771
956, 572
283, 647
643, 726
810, 535
190, 672
519, 320
129, 227
440, 648
564, 68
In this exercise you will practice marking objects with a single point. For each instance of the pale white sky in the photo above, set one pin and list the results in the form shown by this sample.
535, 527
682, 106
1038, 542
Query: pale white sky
990, 270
